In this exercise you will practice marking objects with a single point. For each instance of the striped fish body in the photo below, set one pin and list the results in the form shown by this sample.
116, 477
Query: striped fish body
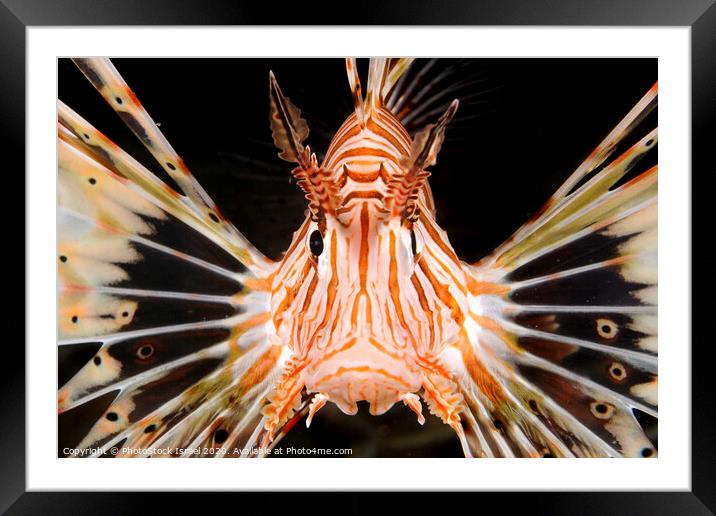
369, 315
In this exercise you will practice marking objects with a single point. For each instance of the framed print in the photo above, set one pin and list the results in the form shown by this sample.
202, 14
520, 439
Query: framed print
423, 254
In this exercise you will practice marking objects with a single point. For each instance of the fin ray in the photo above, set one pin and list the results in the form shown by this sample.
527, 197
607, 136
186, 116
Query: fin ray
563, 314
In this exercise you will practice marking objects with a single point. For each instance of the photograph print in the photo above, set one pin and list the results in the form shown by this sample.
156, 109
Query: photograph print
372, 257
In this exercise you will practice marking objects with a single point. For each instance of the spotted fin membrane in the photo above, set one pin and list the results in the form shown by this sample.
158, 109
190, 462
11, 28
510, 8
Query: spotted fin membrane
564, 316
165, 284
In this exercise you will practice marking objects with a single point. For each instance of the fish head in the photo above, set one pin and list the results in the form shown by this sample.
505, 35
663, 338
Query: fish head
370, 289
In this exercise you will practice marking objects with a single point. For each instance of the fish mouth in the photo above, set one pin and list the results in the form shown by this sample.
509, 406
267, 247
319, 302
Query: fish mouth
363, 369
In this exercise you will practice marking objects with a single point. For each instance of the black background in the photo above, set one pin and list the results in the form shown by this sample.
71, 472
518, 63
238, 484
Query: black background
524, 127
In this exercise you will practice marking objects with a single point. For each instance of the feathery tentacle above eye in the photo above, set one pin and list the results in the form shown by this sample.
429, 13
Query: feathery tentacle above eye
403, 190
289, 131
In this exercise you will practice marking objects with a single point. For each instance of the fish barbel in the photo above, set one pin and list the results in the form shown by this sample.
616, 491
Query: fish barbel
547, 347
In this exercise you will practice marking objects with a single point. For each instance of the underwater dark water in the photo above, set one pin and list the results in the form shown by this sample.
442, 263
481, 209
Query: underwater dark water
523, 127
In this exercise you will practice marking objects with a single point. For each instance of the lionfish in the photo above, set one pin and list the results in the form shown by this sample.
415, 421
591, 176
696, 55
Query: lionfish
547, 347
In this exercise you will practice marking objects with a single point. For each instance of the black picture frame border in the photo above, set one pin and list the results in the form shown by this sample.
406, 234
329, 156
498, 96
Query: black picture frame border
17, 15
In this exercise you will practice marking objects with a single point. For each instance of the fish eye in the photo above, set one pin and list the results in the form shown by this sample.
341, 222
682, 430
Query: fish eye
315, 243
